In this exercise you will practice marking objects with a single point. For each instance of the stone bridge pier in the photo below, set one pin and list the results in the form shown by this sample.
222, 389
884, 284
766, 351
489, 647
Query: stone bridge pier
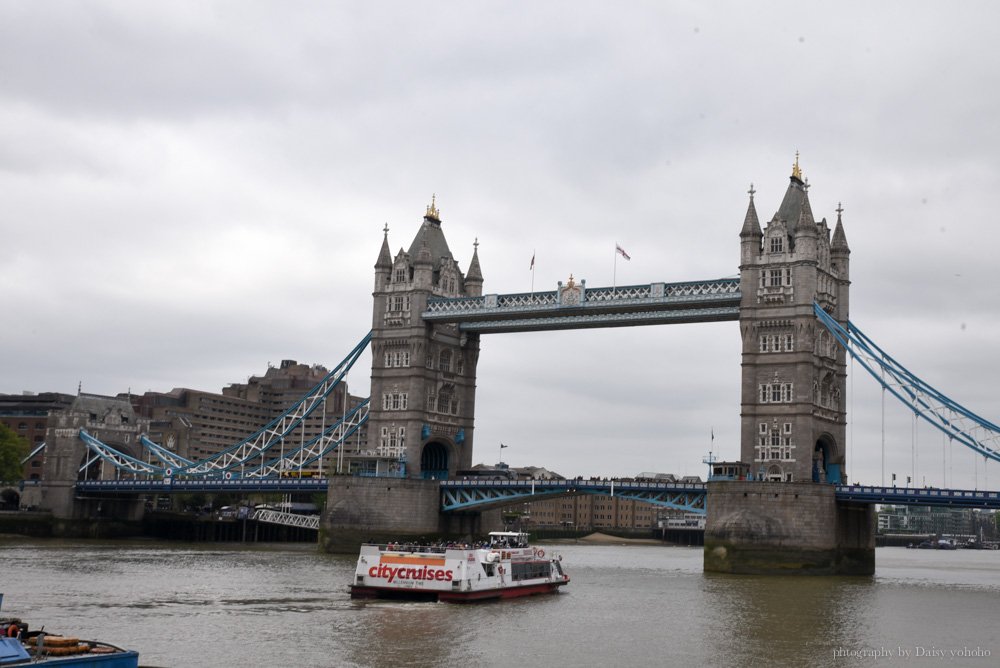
797, 528
381, 510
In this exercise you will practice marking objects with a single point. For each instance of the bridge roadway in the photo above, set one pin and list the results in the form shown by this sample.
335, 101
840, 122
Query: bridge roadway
576, 306
459, 495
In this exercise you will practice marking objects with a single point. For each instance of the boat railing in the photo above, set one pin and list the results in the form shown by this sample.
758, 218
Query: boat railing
438, 548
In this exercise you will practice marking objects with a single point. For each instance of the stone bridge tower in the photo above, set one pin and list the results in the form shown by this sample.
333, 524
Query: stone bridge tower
67, 459
423, 375
784, 520
793, 413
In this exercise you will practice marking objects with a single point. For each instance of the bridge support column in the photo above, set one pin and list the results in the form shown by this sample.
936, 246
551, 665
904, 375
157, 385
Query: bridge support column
764, 528
391, 509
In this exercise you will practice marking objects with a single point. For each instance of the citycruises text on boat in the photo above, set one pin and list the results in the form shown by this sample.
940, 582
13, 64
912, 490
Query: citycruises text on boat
506, 567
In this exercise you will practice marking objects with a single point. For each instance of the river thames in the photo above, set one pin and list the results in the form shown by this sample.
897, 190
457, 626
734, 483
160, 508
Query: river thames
199, 605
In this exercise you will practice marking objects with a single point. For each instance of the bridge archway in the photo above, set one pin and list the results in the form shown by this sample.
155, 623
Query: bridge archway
824, 453
434, 460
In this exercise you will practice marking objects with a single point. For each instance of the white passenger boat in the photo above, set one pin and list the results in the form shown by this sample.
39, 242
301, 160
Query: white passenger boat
506, 567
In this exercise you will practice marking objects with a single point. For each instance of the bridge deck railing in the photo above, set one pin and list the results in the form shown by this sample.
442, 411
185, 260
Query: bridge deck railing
575, 483
919, 496
651, 294
168, 485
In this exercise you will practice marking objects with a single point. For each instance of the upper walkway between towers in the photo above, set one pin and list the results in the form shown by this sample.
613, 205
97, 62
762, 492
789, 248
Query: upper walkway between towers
575, 306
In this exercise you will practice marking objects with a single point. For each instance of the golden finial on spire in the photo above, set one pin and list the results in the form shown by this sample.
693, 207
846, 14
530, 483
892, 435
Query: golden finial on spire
796, 172
432, 211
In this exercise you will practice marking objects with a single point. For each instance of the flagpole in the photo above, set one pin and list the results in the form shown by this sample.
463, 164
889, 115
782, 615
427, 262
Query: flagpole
532, 272
614, 272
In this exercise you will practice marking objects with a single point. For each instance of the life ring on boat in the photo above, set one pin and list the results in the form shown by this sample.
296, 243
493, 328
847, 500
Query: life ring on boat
13, 630
541, 553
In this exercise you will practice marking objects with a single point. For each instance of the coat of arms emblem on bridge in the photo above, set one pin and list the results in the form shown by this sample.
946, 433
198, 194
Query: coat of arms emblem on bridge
571, 294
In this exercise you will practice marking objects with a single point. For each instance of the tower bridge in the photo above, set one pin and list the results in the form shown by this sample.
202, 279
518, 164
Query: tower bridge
788, 505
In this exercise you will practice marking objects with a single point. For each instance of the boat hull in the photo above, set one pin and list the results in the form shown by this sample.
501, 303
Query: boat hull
505, 592
12, 652
369, 592
127, 659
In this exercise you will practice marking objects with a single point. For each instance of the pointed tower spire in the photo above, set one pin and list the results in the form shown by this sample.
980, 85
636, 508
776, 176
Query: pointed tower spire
751, 224
806, 212
384, 256
475, 273
839, 242
474, 279
383, 265
795, 199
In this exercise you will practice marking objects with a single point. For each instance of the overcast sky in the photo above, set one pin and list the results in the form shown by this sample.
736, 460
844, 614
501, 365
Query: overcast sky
192, 190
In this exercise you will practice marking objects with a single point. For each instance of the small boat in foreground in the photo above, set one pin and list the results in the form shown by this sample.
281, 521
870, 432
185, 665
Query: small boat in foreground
20, 645
506, 567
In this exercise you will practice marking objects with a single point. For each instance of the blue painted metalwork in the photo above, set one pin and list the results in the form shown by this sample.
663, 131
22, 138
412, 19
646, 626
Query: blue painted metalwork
32, 454
691, 497
949, 417
119, 460
274, 432
167, 457
174, 486
479, 495
317, 447
294, 459
833, 473
248, 456
482, 494
922, 496
651, 304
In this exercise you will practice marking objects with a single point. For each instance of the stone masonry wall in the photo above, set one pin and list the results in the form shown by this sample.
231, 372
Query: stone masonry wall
771, 528
379, 509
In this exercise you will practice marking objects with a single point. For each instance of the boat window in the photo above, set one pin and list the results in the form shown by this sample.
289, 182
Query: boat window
529, 570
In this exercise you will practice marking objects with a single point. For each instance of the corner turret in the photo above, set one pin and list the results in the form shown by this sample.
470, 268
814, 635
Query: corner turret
750, 235
383, 266
474, 279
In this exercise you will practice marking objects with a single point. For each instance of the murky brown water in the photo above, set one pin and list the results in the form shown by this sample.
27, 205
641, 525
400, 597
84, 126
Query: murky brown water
636, 605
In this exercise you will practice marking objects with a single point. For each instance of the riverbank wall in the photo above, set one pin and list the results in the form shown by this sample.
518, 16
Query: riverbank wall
164, 526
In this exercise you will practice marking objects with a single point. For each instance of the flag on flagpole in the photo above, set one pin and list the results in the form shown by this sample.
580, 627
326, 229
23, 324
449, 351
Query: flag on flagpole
502, 446
713, 434
621, 251
532, 267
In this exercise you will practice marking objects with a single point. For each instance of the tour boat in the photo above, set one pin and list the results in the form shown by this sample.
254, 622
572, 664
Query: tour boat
506, 567
21, 646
